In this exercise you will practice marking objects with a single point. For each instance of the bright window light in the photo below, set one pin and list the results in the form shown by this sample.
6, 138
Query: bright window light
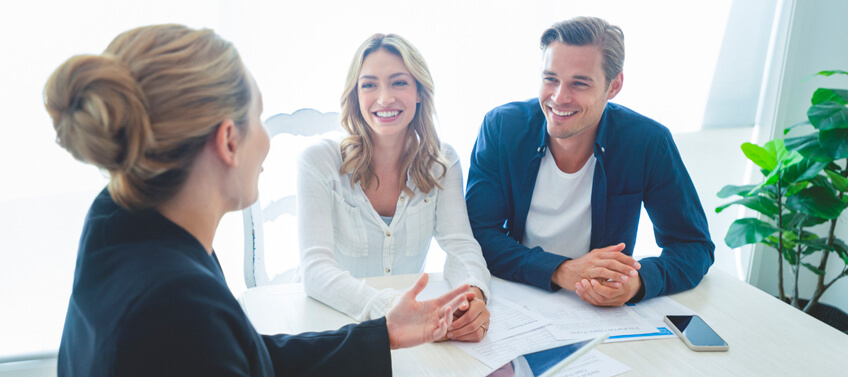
481, 53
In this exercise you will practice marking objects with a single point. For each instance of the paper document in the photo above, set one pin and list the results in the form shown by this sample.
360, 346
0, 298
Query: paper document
497, 353
523, 294
583, 319
570, 316
653, 311
508, 319
518, 310
594, 364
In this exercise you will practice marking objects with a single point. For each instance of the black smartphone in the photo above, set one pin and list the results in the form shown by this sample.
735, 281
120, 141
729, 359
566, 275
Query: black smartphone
696, 333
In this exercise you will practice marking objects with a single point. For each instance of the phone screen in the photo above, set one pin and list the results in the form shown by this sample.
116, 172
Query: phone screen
696, 330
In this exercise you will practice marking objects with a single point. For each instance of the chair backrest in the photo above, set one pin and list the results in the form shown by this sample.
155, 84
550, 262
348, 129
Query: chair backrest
303, 122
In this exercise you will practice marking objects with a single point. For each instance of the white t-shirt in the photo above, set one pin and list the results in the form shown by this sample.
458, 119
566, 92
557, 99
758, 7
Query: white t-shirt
560, 217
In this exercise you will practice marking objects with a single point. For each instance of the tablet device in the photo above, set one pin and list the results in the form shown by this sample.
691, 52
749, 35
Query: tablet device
548, 362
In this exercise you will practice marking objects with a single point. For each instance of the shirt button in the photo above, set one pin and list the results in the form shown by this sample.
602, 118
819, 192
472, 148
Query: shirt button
388, 234
388, 270
426, 200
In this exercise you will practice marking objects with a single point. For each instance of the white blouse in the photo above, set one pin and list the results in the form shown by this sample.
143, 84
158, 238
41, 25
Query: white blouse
343, 239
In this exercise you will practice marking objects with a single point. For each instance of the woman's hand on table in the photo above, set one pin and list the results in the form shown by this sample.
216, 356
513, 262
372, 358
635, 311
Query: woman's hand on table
412, 322
471, 321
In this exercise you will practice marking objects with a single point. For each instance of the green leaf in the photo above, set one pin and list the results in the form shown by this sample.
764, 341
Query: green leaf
807, 251
794, 189
828, 115
770, 241
840, 245
841, 249
770, 191
823, 181
792, 220
826, 94
816, 245
809, 147
839, 182
810, 236
788, 244
730, 190
760, 156
790, 236
799, 124
829, 73
748, 231
816, 201
772, 177
814, 269
777, 148
802, 171
791, 158
789, 255
812, 221
834, 142
784, 158
757, 203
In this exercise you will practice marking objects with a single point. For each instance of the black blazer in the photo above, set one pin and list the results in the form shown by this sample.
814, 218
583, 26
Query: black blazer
148, 300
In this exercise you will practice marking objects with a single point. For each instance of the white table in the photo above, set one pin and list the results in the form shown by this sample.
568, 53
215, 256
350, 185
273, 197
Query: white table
766, 336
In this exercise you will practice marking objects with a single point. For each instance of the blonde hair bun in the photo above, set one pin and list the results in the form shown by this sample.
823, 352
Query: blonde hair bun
99, 111
144, 108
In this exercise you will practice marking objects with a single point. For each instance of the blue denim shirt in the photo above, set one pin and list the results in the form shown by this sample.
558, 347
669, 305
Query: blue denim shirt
638, 162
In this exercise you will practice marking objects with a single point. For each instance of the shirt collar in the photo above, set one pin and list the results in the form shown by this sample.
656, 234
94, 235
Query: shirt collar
603, 129
542, 143
600, 138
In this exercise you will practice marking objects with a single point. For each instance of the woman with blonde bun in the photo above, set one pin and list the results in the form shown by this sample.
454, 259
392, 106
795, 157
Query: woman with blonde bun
172, 115
369, 205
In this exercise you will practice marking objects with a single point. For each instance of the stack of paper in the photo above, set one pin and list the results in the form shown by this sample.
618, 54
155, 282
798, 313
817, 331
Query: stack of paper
525, 319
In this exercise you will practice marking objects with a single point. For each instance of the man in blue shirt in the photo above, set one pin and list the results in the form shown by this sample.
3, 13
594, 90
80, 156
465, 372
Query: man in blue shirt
556, 184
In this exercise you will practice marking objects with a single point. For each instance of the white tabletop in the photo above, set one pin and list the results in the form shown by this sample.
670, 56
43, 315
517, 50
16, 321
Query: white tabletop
766, 336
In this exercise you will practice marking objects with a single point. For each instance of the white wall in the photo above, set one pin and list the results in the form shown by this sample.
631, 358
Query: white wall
735, 91
714, 159
815, 42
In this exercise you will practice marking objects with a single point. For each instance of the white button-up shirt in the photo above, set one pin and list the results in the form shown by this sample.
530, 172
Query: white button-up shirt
342, 238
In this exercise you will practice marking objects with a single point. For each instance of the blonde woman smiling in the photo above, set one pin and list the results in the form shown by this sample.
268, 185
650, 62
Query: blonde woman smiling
370, 204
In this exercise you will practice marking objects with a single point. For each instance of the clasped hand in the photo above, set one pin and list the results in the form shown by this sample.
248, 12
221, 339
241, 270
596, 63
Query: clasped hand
412, 322
471, 321
603, 277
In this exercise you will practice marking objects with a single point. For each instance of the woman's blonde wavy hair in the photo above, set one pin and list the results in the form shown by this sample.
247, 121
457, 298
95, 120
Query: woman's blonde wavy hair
423, 148
144, 108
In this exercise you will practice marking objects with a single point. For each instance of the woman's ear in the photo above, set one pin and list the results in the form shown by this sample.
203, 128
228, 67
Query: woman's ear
226, 141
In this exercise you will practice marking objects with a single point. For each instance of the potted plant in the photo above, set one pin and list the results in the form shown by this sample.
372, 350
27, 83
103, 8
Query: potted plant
803, 191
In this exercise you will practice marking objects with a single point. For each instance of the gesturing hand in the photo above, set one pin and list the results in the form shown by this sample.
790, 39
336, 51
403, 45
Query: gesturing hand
411, 322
